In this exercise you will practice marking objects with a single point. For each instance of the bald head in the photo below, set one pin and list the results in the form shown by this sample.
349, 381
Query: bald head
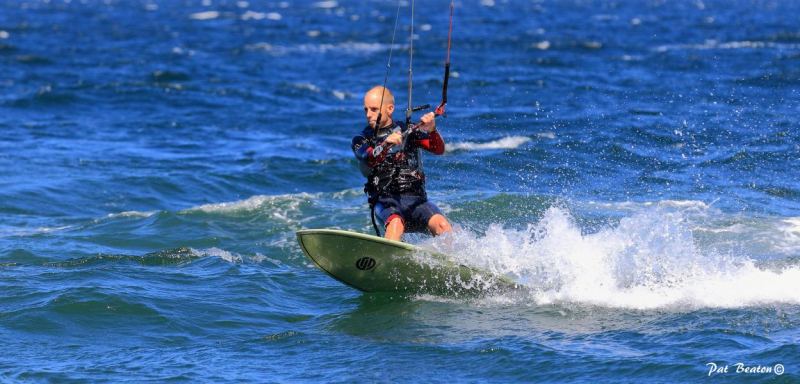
375, 93
373, 105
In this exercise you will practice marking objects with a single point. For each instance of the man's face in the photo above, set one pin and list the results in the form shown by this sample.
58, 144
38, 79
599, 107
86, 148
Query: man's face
372, 102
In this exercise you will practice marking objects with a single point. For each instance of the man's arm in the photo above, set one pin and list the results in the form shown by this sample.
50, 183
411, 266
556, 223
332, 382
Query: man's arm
366, 155
429, 138
431, 142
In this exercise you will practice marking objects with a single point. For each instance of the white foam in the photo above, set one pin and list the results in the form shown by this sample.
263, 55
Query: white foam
789, 239
735, 228
252, 15
221, 253
348, 193
259, 258
636, 205
649, 260
696, 204
546, 135
509, 142
232, 257
307, 87
207, 15
254, 203
346, 47
793, 225
53, 229
445, 207
349, 47
141, 214
13, 231
542, 45
325, 4
714, 44
267, 47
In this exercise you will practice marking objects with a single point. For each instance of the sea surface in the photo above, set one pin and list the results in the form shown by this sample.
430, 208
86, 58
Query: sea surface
633, 165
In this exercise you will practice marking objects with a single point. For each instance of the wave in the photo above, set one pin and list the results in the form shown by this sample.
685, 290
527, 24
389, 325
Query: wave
45, 96
175, 256
349, 47
222, 254
94, 303
793, 225
8, 231
233, 257
135, 214
634, 205
326, 4
714, 44
251, 15
312, 88
306, 87
288, 210
789, 243
172, 256
649, 260
206, 15
161, 77
289, 202
509, 142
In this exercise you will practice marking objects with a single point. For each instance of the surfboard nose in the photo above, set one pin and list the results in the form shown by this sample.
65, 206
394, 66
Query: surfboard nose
374, 264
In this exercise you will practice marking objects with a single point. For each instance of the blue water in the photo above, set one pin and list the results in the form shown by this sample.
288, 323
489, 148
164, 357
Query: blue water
632, 164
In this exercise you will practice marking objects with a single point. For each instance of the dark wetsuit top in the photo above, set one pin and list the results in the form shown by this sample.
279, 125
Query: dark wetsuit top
395, 180
394, 169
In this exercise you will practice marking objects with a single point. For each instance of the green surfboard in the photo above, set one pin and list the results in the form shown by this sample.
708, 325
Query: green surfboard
374, 264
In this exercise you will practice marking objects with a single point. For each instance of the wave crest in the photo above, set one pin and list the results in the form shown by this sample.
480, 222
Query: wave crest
649, 260
509, 142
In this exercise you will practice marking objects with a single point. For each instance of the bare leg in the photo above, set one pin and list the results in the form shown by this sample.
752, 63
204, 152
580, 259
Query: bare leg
395, 229
438, 225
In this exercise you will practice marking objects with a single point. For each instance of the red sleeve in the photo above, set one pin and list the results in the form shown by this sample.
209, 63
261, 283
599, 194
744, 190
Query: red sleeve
433, 143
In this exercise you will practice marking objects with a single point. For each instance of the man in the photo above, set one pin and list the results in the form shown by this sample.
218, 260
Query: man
393, 167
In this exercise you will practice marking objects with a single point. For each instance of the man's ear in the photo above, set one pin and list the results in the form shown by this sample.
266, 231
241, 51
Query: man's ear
390, 108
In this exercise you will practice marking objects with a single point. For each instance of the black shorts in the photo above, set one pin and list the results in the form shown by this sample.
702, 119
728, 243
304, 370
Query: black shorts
415, 211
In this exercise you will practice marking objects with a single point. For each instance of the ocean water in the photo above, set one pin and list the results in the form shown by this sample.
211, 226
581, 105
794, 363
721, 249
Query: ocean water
632, 164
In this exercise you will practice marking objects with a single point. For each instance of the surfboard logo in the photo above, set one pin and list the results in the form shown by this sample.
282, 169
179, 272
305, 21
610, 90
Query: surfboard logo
365, 263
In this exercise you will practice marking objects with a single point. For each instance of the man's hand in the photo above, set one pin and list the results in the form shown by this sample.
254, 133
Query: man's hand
394, 138
428, 122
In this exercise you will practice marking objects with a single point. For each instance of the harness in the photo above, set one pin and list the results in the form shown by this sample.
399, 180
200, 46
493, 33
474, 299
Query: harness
400, 172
